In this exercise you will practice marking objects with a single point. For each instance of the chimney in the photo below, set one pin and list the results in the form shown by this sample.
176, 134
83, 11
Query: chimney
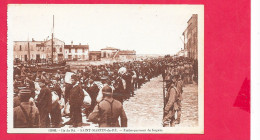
71, 43
79, 43
32, 39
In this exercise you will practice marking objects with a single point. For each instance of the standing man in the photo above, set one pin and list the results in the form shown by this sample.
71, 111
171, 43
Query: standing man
107, 112
44, 104
76, 101
26, 115
68, 87
172, 105
92, 90
56, 111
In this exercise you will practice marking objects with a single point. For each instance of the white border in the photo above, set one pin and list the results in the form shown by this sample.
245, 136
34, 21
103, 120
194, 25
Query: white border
255, 69
165, 130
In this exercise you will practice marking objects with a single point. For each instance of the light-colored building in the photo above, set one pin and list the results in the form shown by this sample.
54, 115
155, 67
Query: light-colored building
76, 52
109, 52
38, 50
126, 55
191, 37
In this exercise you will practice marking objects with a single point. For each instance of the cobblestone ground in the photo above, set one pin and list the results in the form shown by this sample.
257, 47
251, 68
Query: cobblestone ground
145, 108
189, 116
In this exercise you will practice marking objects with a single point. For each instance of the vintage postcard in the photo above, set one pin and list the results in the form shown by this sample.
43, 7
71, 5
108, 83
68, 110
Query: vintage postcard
105, 68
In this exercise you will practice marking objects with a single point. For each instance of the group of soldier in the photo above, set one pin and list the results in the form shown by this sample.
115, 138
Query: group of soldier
178, 72
34, 105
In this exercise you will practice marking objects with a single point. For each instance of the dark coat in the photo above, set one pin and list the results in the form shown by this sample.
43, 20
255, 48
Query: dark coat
93, 92
76, 96
68, 87
44, 100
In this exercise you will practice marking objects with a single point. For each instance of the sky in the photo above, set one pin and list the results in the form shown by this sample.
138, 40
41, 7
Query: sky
147, 29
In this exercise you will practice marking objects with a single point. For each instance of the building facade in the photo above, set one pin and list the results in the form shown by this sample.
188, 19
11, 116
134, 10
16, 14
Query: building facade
108, 52
126, 55
191, 37
95, 55
38, 50
76, 52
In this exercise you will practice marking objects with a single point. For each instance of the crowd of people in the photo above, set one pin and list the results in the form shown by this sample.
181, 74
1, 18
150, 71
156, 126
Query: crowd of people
42, 98
178, 73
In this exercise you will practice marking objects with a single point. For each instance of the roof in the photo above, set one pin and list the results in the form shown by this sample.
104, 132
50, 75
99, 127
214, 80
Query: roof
76, 46
109, 48
193, 16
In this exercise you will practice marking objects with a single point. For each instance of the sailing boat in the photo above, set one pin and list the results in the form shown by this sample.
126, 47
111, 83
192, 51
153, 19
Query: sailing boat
53, 67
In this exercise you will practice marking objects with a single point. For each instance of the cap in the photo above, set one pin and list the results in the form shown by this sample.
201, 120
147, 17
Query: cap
107, 90
25, 92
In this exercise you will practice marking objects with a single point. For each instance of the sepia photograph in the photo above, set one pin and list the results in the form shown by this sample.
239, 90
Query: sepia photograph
105, 68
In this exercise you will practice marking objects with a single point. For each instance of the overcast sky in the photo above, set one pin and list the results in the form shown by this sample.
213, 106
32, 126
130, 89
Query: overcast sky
148, 29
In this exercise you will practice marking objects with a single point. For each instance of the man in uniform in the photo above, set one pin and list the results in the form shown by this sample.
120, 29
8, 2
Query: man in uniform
107, 112
172, 105
26, 115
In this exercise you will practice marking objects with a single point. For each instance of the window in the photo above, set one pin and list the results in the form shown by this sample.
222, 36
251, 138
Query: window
83, 50
76, 50
69, 50
20, 47
54, 49
60, 49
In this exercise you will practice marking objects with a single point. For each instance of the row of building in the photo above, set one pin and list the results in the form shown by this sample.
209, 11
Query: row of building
42, 50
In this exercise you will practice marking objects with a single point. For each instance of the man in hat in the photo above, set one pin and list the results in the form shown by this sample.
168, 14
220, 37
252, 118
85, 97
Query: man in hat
56, 111
26, 115
92, 90
44, 104
107, 112
172, 104
76, 101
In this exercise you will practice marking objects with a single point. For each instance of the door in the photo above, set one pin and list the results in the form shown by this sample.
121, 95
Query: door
25, 57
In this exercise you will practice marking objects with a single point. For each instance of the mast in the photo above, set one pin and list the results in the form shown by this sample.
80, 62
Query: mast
52, 41
29, 52
29, 55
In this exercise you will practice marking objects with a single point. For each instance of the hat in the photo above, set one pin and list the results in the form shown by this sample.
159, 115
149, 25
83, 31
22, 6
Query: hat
25, 92
107, 90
